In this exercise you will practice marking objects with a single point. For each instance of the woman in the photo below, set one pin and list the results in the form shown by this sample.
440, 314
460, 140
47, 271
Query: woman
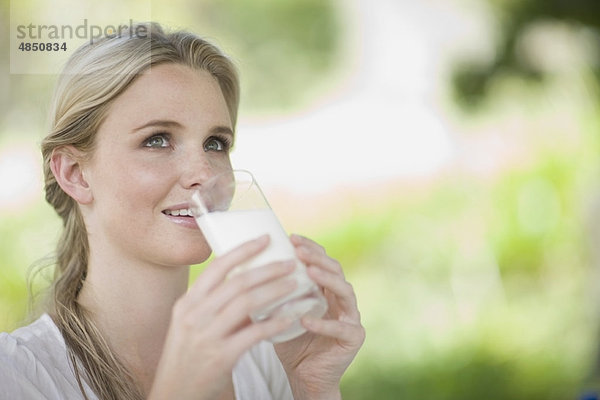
139, 121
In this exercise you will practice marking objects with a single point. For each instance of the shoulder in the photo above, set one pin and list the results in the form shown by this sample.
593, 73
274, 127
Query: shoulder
259, 374
38, 343
34, 363
40, 338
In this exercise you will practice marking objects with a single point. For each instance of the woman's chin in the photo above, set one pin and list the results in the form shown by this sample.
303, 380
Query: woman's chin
193, 259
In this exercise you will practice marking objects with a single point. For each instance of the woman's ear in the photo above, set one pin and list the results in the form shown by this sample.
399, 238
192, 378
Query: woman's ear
66, 166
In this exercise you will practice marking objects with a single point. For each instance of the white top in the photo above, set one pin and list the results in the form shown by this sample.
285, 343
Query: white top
34, 365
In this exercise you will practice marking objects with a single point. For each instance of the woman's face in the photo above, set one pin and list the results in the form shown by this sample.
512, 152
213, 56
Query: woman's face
165, 135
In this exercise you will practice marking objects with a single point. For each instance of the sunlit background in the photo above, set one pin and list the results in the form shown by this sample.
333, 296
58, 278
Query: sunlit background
447, 152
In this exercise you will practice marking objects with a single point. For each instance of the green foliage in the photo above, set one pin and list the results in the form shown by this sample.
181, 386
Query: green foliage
438, 324
472, 81
283, 48
531, 214
465, 373
454, 285
28, 239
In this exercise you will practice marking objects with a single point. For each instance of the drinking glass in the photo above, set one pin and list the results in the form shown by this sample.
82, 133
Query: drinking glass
230, 209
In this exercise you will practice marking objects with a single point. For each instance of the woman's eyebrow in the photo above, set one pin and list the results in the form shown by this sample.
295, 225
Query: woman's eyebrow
160, 123
221, 129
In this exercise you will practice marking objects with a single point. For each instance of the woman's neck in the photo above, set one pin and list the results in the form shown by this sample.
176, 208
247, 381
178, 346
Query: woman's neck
131, 304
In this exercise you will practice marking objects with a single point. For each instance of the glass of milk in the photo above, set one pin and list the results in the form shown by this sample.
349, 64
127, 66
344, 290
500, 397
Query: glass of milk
231, 209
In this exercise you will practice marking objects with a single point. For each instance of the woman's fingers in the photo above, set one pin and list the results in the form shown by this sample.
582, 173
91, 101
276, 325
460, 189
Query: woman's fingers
216, 272
226, 308
312, 256
311, 253
339, 287
298, 240
327, 273
236, 312
245, 338
247, 280
350, 333
223, 305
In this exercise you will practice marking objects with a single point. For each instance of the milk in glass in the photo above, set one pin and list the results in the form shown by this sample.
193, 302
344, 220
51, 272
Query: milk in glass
225, 230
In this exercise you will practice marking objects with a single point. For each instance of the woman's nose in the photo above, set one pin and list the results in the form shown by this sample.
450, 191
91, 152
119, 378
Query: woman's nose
195, 169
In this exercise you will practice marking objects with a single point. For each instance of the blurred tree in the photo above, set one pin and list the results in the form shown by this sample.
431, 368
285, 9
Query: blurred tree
471, 80
284, 48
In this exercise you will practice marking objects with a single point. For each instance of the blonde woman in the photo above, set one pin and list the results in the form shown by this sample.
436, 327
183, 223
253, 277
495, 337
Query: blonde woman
138, 122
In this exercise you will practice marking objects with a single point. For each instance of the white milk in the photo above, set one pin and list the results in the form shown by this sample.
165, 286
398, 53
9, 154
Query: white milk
225, 230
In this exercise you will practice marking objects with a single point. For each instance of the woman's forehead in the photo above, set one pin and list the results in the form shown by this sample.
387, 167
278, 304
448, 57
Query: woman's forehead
171, 92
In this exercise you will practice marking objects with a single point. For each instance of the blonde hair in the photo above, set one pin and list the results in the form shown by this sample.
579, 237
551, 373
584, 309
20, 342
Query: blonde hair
94, 76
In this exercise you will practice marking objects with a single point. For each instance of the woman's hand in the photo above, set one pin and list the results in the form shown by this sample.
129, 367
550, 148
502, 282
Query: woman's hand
210, 328
316, 361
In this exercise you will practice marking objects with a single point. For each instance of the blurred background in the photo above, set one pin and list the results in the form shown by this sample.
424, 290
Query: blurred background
447, 152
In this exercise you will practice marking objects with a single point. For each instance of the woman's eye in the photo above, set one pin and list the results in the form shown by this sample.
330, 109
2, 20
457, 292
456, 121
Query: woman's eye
157, 141
216, 144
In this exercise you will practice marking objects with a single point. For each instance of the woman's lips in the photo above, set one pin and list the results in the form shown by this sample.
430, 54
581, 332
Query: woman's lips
184, 219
